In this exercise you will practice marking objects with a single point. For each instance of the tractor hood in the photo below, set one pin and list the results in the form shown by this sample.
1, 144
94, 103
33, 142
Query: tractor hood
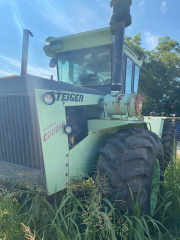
29, 83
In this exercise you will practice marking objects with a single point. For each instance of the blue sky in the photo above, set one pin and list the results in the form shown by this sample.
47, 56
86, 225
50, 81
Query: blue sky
153, 18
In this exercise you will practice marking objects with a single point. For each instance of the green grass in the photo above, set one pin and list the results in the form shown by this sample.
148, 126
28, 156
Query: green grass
83, 212
168, 212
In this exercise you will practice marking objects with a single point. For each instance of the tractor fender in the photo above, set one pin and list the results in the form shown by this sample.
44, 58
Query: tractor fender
155, 124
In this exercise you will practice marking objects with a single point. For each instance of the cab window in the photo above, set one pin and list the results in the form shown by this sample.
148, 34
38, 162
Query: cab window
136, 78
86, 67
63, 71
129, 68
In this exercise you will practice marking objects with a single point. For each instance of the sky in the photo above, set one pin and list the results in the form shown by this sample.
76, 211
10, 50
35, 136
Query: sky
44, 18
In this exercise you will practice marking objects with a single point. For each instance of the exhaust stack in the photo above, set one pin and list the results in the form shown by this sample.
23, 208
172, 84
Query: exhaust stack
26, 34
120, 19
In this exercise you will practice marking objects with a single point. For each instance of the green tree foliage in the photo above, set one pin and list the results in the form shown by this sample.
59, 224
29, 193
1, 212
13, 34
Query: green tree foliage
160, 75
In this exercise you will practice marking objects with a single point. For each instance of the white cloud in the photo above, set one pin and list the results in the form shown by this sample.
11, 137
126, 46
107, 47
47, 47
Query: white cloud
4, 73
82, 19
141, 6
141, 3
163, 7
33, 70
16, 13
11, 61
42, 72
151, 40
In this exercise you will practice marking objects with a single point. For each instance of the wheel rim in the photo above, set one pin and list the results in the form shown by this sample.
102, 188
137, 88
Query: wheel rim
154, 186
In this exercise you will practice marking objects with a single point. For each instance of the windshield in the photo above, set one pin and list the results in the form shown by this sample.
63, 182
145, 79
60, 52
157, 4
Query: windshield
89, 67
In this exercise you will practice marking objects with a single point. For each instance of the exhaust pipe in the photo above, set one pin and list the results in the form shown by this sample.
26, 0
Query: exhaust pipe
26, 34
120, 19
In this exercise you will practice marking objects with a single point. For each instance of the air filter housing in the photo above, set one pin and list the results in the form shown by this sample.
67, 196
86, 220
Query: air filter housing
121, 12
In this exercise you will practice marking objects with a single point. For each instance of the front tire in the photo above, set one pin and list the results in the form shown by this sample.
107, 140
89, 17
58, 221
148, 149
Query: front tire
128, 159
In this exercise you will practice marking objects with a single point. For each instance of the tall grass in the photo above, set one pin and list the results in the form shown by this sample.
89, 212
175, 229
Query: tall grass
83, 212
169, 198
80, 213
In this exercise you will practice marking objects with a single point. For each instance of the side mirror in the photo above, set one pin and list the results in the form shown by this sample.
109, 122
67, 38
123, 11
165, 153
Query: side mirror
52, 63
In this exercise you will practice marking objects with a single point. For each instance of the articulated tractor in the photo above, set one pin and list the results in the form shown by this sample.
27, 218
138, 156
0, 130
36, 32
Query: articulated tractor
55, 132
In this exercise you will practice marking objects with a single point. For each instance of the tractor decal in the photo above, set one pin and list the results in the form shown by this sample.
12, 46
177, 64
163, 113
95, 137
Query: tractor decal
45, 129
53, 131
69, 97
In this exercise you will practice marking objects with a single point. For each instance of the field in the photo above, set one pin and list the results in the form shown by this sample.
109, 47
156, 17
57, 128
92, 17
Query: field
83, 212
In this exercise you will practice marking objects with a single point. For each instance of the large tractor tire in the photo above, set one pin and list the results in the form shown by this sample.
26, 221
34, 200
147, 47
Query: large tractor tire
169, 141
128, 160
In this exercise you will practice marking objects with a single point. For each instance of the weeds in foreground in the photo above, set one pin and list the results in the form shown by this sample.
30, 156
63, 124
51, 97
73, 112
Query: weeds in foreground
83, 212
169, 210
28, 234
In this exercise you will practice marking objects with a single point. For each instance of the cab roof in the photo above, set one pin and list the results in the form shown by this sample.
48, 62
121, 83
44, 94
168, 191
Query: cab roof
82, 40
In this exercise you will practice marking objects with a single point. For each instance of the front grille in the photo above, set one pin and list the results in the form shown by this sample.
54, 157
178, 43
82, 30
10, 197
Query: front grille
20, 142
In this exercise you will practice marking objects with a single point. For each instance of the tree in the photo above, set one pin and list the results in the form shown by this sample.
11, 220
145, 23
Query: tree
160, 75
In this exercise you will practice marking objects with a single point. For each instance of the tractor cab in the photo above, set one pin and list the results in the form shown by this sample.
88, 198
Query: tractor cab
86, 59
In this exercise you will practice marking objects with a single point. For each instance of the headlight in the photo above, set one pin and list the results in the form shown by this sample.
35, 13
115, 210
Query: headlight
49, 98
68, 129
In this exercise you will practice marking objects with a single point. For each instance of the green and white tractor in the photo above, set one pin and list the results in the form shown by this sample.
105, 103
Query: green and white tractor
54, 132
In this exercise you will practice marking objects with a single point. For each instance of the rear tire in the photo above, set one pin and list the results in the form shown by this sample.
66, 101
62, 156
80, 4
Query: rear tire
128, 160
169, 136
